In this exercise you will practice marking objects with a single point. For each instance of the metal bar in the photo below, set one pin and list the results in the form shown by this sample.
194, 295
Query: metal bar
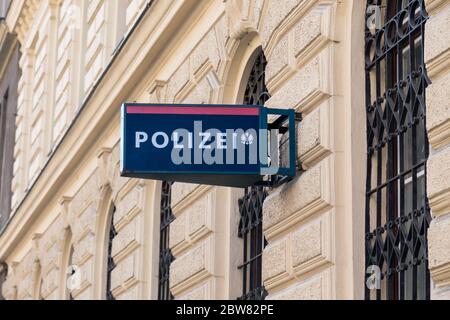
401, 175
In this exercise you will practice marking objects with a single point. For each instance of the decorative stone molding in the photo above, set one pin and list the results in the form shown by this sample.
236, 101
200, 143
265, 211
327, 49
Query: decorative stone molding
275, 264
294, 202
440, 203
307, 87
181, 190
9, 288
202, 292
126, 274
157, 91
185, 194
194, 216
435, 6
311, 245
438, 112
438, 65
301, 251
129, 203
191, 268
440, 136
103, 164
437, 40
64, 203
128, 239
36, 248
297, 39
85, 197
314, 135
439, 255
438, 185
441, 275
314, 288
21, 16
243, 16
178, 80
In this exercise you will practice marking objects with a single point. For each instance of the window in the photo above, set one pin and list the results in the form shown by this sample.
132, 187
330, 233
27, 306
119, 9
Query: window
250, 206
110, 262
4, 5
38, 281
397, 211
71, 273
165, 255
3, 275
3, 115
69, 282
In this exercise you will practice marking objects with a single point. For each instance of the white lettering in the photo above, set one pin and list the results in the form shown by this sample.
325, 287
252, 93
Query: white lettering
206, 136
221, 140
165, 138
141, 137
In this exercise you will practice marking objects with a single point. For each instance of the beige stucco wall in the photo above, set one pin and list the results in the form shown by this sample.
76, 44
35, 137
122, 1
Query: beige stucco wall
67, 160
437, 57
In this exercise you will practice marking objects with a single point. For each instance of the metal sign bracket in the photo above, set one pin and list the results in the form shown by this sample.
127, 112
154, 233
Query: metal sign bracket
285, 124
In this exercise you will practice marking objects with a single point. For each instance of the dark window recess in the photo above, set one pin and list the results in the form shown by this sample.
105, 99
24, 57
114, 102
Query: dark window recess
251, 205
72, 272
110, 263
397, 211
3, 275
3, 106
165, 255
3, 138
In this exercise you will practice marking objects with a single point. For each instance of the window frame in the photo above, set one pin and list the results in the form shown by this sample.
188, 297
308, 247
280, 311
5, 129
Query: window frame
396, 244
251, 204
165, 254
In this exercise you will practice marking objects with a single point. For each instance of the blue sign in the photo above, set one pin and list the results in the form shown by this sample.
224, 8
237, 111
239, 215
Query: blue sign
225, 145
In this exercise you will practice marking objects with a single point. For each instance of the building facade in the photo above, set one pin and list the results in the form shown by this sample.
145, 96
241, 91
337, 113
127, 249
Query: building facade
370, 79
9, 77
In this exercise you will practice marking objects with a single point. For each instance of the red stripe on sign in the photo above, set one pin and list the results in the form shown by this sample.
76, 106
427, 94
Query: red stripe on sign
231, 111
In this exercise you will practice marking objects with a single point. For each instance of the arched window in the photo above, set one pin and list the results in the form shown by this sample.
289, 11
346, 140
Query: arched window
110, 265
37, 291
71, 272
68, 269
397, 212
250, 206
3, 275
165, 255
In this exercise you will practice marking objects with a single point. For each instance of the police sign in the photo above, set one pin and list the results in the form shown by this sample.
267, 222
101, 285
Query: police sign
224, 145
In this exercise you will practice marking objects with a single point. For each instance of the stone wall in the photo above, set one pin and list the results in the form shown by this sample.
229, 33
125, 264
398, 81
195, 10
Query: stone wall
298, 217
437, 57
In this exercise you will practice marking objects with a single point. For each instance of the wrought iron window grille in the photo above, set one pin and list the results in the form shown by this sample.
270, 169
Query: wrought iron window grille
111, 265
251, 205
165, 254
397, 210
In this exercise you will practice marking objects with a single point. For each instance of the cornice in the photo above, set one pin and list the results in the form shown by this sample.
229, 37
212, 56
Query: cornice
20, 17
